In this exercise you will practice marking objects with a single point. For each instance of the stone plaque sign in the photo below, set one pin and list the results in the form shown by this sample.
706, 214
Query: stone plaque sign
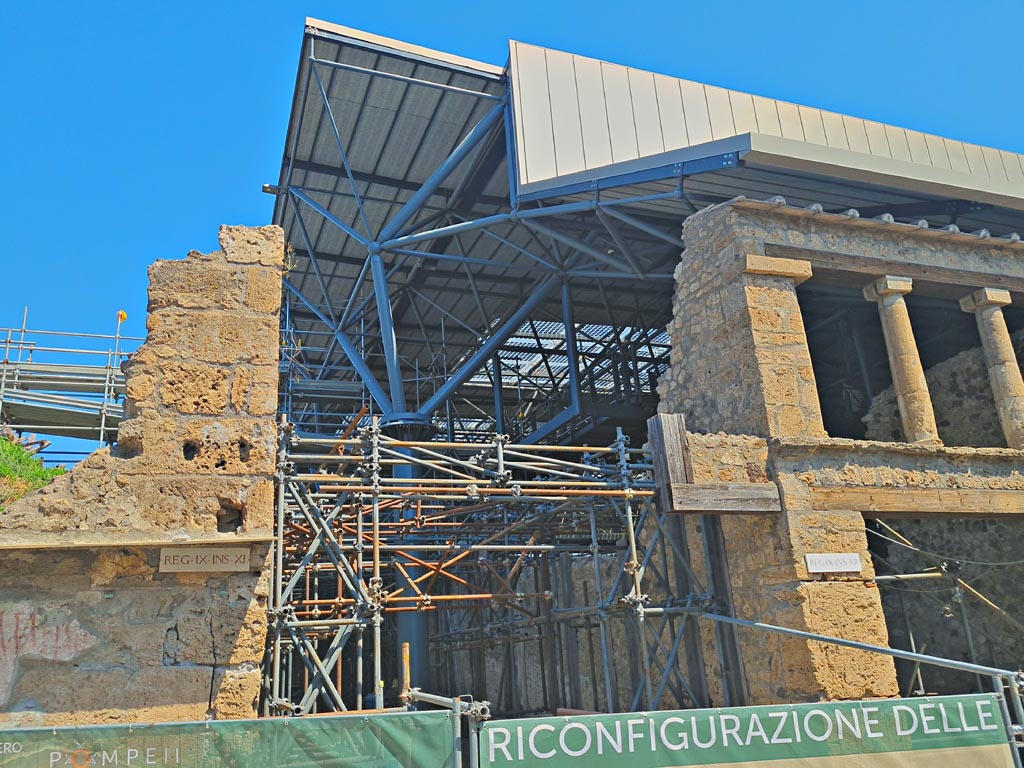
200, 559
833, 562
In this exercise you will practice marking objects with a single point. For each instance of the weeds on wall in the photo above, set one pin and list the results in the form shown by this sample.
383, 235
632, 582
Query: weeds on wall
21, 470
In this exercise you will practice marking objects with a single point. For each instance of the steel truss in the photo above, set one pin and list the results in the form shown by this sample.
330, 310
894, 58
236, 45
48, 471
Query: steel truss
451, 306
528, 561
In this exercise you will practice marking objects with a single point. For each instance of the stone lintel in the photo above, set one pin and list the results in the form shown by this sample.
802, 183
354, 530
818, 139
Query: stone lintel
145, 540
887, 285
985, 297
794, 269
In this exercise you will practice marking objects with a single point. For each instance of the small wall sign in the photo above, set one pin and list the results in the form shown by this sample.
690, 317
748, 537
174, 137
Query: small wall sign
203, 559
833, 562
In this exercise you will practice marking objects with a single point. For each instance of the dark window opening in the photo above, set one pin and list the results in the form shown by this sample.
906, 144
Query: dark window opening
231, 516
844, 337
851, 364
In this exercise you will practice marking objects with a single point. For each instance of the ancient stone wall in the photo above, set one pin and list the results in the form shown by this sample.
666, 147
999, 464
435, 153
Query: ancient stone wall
100, 635
721, 390
92, 627
945, 618
764, 554
965, 409
740, 364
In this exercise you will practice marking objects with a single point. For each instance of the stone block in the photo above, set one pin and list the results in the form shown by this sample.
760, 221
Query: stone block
181, 284
985, 297
140, 387
238, 446
191, 388
794, 269
216, 337
253, 245
113, 695
260, 509
241, 387
238, 693
263, 291
852, 611
224, 628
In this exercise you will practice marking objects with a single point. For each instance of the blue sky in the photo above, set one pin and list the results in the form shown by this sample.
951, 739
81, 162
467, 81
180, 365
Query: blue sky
131, 131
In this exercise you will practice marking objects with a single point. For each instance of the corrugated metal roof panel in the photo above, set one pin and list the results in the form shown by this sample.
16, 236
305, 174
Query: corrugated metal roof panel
639, 116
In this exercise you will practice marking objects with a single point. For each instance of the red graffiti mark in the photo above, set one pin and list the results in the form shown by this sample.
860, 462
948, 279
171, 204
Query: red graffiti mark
24, 632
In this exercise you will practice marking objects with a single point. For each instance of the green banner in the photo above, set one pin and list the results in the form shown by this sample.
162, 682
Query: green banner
945, 730
400, 740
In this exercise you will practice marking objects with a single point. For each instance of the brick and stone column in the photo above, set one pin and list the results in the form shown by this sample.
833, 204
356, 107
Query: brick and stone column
780, 345
986, 304
908, 380
741, 366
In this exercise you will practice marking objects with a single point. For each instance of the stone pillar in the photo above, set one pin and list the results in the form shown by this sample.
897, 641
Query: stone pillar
908, 380
1003, 370
780, 345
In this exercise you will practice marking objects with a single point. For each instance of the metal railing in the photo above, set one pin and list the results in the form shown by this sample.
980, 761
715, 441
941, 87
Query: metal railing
1006, 683
64, 384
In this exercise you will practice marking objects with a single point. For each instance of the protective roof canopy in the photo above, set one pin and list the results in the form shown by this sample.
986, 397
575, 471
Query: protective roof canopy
580, 119
467, 215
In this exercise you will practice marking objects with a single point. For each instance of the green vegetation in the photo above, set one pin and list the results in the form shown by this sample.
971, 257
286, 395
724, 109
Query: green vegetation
21, 471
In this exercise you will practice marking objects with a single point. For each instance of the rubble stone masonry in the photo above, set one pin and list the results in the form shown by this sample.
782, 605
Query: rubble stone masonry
91, 629
741, 377
933, 613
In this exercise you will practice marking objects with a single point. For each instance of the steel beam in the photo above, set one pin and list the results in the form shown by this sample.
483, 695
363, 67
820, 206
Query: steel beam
351, 351
387, 333
538, 294
301, 194
467, 145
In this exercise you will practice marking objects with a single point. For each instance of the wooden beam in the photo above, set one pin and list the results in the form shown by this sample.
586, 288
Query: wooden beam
670, 452
919, 501
726, 498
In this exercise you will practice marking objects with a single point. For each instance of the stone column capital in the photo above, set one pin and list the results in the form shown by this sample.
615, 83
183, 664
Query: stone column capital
985, 297
887, 285
796, 270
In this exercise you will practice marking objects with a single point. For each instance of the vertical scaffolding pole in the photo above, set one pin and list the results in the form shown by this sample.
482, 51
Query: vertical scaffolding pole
376, 582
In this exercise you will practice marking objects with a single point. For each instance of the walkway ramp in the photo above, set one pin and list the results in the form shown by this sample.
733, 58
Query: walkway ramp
63, 384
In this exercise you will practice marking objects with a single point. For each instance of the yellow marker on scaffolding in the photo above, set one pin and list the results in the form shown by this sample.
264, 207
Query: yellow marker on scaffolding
121, 315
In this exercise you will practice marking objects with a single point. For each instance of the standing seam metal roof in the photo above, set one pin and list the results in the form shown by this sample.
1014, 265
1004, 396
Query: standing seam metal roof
579, 118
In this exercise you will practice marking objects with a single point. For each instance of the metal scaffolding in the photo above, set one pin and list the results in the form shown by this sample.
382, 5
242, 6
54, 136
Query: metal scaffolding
433, 305
536, 565
63, 383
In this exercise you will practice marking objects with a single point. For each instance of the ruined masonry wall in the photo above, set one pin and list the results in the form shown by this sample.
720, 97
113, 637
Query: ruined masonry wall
717, 391
90, 630
965, 409
932, 613
740, 365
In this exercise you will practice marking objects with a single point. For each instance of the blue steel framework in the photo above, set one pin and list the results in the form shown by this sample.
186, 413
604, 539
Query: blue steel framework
548, 323
461, 358
428, 296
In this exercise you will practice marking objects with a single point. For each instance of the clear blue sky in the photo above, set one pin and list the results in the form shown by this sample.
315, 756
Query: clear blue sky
131, 131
